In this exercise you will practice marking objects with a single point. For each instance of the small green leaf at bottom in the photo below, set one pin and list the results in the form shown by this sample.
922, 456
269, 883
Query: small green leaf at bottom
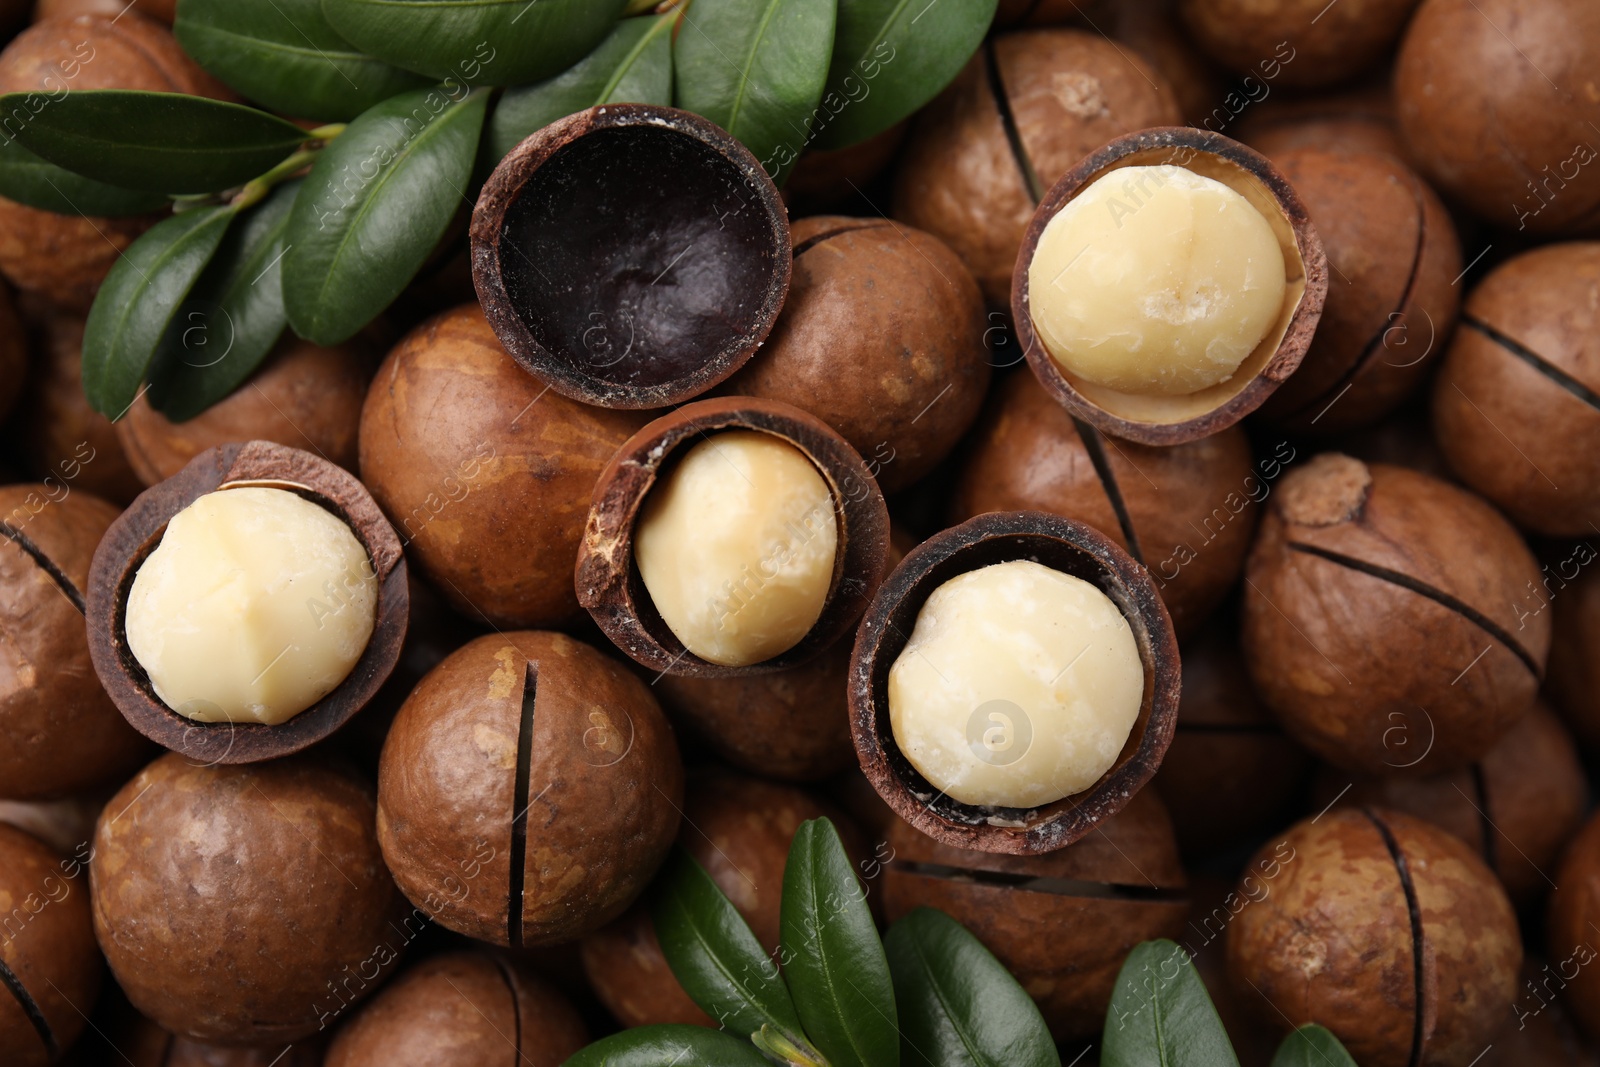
1161, 1013
959, 1006
1312, 1046
675, 1045
138, 300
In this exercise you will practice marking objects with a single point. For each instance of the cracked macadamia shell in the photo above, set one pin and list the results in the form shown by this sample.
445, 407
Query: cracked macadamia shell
1385, 929
527, 768
245, 904
1388, 619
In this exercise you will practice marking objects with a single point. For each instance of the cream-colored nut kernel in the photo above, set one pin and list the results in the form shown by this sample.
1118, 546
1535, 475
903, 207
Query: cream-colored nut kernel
736, 547
1155, 281
255, 605
1019, 686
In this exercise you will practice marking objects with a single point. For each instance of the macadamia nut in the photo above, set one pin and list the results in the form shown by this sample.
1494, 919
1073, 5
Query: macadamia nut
255, 605
1155, 281
736, 547
1019, 686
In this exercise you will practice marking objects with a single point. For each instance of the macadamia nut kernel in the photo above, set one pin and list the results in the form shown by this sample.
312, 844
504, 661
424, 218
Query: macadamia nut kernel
736, 547
1155, 281
255, 605
1019, 686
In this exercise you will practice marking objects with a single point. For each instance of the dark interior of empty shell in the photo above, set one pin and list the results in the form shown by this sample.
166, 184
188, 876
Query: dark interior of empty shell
138, 531
1001, 537
631, 256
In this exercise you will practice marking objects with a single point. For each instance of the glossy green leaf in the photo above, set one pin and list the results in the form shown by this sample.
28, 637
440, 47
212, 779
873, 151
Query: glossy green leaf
480, 42
1312, 1046
232, 317
1161, 1013
157, 142
284, 55
958, 1006
757, 69
137, 301
675, 1045
374, 206
633, 65
831, 955
889, 58
713, 954
27, 179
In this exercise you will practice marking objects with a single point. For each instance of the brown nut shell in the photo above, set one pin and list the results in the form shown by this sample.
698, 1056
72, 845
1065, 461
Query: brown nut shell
998, 537
1382, 618
1516, 405
1574, 672
1385, 929
573, 235
1308, 42
608, 581
1171, 420
1574, 912
463, 1009
50, 966
1187, 512
270, 931
528, 790
59, 731
137, 532
1061, 923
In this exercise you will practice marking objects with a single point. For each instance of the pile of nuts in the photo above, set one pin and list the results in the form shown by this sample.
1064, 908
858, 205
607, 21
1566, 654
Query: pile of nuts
1156, 493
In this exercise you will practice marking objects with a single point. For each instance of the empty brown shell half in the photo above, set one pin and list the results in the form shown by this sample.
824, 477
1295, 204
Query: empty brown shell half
1173, 420
138, 531
608, 581
1000, 537
631, 256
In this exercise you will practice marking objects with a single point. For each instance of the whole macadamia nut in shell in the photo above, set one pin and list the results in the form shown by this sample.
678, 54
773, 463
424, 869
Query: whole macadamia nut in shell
1310, 42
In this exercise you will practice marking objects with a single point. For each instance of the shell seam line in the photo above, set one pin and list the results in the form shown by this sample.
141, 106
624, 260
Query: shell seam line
57, 575
1008, 122
520, 802
1415, 912
30, 1008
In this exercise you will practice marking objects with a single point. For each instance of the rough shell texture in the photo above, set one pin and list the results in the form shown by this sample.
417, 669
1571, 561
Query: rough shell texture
60, 730
245, 904
997, 537
1385, 929
1062, 94
1516, 405
882, 337
1516, 148
1303, 43
1394, 263
1381, 618
1061, 923
1517, 807
565, 803
1575, 647
306, 396
137, 532
1574, 911
63, 257
1190, 507
464, 1009
61, 435
50, 966
485, 473
739, 829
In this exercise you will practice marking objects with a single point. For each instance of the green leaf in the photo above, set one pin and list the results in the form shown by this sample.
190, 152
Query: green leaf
158, 142
675, 1045
889, 58
137, 301
232, 317
959, 1007
1160, 1013
831, 954
283, 54
713, 954
374, 206
1312, 1046
480, 42
27, 179
632, 66
756, 68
